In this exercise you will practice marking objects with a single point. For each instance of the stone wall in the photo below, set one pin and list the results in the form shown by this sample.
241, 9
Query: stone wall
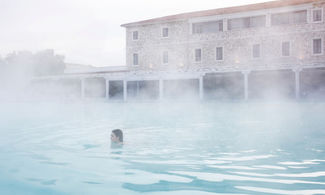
237, 45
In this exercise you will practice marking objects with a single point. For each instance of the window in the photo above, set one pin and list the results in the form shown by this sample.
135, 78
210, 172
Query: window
317, 15
286, 48
237, 23
219, 53
165, 57
198, 54
165, 32
297, 17
256, 51
257, 21
207, 27
135, 35
317, 46
247, 22
280, 19
135, 59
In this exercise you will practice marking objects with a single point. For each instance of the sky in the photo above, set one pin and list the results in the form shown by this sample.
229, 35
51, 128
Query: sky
85, 31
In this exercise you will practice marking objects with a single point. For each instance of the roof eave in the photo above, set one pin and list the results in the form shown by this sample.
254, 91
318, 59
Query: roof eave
235, 9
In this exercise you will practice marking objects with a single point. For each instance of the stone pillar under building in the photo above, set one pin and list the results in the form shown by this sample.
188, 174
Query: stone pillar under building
107, 88
297, 82
246, 73
161, 89
125, 91
201, 87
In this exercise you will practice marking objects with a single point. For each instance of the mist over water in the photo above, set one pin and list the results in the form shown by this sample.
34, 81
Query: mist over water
188, 130
189, 147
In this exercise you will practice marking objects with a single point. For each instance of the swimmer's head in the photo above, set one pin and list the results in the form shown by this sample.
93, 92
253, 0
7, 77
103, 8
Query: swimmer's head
117, 136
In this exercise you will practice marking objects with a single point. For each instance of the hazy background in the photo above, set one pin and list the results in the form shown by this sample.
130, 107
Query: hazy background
85, 31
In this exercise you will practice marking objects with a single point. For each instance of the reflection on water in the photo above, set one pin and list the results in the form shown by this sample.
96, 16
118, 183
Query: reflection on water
116, 145
206, 148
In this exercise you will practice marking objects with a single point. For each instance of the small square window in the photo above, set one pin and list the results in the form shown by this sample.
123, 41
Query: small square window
135, 35
197, 28
317, 46
286, 48
317, 15
256, 51
165, 32
219, 53
135, 59
198, 53
165, 57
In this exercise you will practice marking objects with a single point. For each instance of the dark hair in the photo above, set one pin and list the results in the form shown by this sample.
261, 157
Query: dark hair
118, 133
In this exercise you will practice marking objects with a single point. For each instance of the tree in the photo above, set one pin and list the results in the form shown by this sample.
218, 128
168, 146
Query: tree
42, 63
17, 69
47, 63
20, 63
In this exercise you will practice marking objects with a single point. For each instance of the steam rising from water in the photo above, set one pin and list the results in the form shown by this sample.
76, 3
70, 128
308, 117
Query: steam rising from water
192, 147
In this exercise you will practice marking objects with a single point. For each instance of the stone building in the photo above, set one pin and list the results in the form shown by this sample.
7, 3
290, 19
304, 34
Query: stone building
235, 46
264, 50
271, 33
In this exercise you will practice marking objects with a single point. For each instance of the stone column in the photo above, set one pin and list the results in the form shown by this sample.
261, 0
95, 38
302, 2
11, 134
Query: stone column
125, 91
201, 87
82, 88
297, 82
107, 88
161, 89
246, 73
138, 89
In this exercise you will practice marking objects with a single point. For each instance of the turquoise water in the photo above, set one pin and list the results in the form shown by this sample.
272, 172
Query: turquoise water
170, 148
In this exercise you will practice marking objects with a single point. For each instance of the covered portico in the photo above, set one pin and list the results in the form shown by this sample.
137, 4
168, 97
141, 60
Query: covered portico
226, 83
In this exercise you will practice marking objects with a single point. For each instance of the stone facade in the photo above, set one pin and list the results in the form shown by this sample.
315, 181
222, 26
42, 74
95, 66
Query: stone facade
237, 44
284, 63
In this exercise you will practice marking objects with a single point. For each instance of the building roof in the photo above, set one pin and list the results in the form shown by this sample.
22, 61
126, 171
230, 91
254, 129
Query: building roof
93, 69
220, 11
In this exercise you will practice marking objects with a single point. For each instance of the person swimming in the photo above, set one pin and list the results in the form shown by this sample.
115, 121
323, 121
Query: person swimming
117, 137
